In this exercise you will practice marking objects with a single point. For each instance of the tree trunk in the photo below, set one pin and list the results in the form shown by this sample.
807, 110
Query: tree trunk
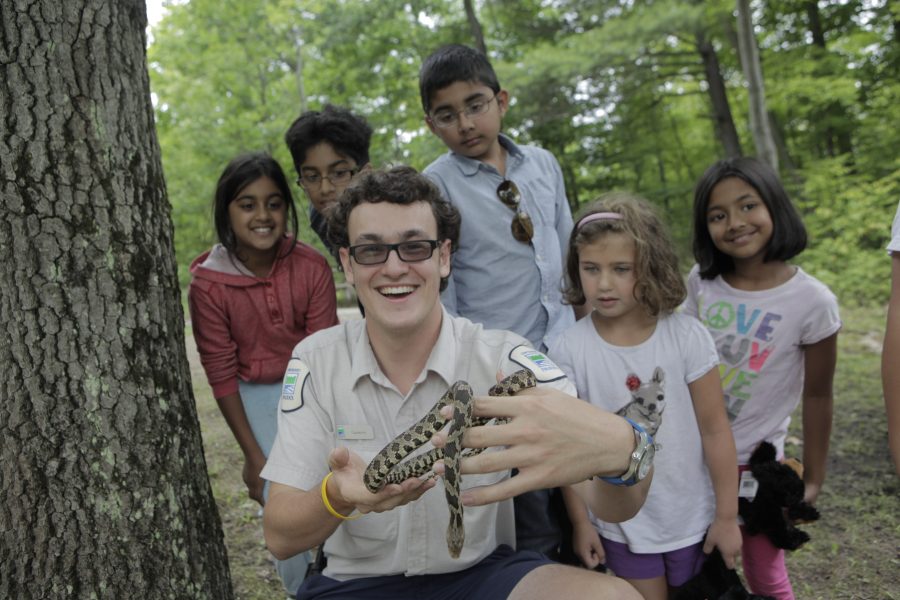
759, 121
103, 485
301, 85
475, 26
815, 23
833, 118
724, 122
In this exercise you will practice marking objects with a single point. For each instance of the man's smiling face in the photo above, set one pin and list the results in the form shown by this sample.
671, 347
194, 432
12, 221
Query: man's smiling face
399, 297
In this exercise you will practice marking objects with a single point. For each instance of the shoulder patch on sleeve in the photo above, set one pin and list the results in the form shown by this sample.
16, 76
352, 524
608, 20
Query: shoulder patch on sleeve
295, 377
544, 369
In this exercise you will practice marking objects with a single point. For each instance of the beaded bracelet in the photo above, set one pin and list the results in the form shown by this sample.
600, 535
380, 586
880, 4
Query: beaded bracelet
328, 506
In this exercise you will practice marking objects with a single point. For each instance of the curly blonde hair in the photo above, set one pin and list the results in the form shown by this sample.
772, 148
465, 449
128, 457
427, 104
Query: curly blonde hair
659, 286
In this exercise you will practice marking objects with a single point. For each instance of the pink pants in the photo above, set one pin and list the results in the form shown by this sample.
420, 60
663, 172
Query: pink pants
764, 567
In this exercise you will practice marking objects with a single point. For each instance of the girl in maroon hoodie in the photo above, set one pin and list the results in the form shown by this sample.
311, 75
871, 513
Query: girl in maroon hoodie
252, 298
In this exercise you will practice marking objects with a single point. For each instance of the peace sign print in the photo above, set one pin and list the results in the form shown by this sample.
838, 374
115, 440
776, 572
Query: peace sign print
720, 315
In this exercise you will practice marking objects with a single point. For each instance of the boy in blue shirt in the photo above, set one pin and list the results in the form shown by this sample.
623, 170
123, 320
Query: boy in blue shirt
516, 221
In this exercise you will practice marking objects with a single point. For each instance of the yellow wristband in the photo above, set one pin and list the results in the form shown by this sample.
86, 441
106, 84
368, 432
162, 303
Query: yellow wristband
328, 505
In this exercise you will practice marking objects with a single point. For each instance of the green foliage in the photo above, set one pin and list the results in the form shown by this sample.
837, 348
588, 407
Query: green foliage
616, 90
849, 221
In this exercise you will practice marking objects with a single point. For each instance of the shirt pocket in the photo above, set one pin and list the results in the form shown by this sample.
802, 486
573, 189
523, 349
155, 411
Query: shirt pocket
372, 534
541, 204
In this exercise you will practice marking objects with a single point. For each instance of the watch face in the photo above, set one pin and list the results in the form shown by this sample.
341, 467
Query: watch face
646, 462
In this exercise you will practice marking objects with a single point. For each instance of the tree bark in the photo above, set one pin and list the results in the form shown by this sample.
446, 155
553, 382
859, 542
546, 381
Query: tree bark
724, 122
103, 485
759, 120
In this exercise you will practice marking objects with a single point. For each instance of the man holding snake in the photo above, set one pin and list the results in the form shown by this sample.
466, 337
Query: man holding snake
349, 390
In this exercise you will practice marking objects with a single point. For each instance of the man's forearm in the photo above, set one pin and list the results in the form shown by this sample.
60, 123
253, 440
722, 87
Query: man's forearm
295, 521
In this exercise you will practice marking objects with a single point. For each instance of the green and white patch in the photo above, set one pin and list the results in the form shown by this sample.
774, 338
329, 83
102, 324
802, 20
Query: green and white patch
295, 377
544, 369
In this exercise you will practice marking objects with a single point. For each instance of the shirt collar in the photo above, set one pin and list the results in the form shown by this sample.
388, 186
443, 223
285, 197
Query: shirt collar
469, 166
441, 361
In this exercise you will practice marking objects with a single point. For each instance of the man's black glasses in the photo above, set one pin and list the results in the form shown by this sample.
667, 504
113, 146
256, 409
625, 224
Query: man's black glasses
411, 251
522, 227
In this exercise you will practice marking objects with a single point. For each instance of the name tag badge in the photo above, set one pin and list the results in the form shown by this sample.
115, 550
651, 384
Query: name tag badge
544, 369
355, 432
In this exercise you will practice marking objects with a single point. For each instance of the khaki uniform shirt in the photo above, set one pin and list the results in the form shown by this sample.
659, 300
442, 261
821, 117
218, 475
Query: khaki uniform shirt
335, 394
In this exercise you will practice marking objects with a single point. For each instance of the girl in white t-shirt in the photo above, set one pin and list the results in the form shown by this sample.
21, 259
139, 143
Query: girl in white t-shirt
775, 329
634, 356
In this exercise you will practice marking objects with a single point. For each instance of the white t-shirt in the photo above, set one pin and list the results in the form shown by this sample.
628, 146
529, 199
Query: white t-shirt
894, 245
681, 504
759, 336
335, 394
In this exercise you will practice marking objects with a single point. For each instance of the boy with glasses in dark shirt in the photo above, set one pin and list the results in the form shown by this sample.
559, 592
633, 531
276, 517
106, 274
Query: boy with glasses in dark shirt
329, 148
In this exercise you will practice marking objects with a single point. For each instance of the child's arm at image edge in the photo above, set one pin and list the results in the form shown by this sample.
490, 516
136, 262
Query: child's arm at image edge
890, 358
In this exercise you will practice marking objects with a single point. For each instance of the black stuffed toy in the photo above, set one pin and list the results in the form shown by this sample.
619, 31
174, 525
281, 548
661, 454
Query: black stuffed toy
715, 581
778, 504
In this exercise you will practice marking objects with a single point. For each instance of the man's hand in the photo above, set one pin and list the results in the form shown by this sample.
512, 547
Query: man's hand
347, 492
552, 438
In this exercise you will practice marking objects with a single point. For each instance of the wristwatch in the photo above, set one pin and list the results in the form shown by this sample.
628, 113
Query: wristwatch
641, 458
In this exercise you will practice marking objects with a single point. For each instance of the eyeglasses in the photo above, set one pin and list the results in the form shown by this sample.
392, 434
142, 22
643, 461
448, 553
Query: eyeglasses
336, 177
375, 254
447, 117
522, 228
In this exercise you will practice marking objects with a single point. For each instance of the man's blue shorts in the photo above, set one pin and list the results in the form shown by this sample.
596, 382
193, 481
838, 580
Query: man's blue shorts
494, 577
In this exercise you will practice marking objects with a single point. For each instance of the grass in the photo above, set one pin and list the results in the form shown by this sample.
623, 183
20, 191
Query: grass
855, 548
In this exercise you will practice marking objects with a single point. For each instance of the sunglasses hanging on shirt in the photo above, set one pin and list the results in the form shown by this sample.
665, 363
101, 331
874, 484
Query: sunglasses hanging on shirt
522, 228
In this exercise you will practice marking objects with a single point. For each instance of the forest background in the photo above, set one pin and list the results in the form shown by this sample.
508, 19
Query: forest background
634, 95
106, 488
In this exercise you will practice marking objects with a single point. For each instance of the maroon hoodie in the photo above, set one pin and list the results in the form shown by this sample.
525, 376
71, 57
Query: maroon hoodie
246, 326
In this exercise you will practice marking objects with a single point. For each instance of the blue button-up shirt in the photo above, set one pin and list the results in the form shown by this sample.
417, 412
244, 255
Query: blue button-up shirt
495, 279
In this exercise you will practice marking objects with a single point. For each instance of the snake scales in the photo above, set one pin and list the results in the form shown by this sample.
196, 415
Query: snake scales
387, 466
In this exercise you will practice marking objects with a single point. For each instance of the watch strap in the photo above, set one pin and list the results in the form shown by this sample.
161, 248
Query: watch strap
642, 440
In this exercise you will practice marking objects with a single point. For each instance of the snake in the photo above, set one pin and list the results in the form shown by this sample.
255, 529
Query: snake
389, 466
